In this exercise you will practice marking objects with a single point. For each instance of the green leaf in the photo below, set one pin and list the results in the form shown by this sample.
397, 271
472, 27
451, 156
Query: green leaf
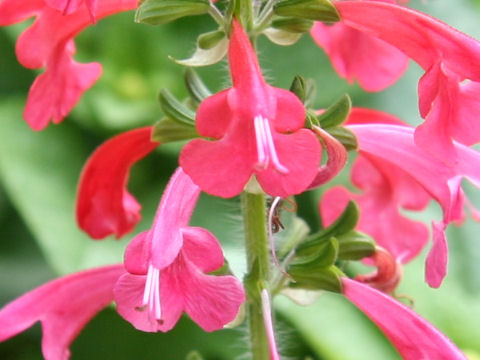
336, 113
195, 86
174, 109
156, 12
305, 89
345, 223
355, 245
345, 136
211, 39
282, 37
202, 57
168, 130
292, 24
324, 256
317, 279
319, 10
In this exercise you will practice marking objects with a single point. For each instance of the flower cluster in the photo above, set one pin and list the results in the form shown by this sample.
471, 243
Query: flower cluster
262, 142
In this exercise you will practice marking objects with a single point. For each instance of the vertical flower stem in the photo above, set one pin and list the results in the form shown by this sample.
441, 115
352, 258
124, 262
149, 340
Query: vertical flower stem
258, 263
244, 12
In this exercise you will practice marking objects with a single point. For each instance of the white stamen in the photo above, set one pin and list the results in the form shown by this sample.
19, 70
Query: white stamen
260, 138
158, 307
273, 152
151, 294
265, 146
148, 286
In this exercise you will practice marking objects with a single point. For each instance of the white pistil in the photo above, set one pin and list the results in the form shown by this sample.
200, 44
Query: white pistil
265, 146
151, 294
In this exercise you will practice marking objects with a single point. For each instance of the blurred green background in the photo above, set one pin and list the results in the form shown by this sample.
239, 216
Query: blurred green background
39, 172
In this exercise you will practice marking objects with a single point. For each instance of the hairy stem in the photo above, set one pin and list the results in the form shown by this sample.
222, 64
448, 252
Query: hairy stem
258, 264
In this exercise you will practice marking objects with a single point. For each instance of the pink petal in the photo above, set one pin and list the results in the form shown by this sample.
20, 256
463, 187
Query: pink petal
211, 301
337, 158
421, 37
442, 182
173, 214
65, 6
358, 56
137, 254
62, 306
436, 264
214, 116
380, 217
227, 170
68, 7
428, 171
435, 133
13, 11
300, 153
54, 93
244, 68
447, 56
202, 249
466, 126
370, 116
104, 206
412, 336
129, 299
290, 111
36, 44
48, 43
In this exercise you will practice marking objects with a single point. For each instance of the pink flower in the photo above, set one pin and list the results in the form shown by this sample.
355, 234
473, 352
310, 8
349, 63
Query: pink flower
167, 268
359, 56
48, 43
63, 306
386, 191
104, 206
406, 169
412, 336
257, 130
446, 101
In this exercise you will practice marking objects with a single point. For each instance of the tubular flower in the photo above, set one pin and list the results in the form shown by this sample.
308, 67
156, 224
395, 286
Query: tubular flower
257, 130
386, 191
104, 206
449, 57
166, 269
412, 336
355, 55
48, 43
63, 306
442, 183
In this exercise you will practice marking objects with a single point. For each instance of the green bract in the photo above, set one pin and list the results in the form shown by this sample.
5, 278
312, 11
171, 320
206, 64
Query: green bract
319, 10
156, 12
